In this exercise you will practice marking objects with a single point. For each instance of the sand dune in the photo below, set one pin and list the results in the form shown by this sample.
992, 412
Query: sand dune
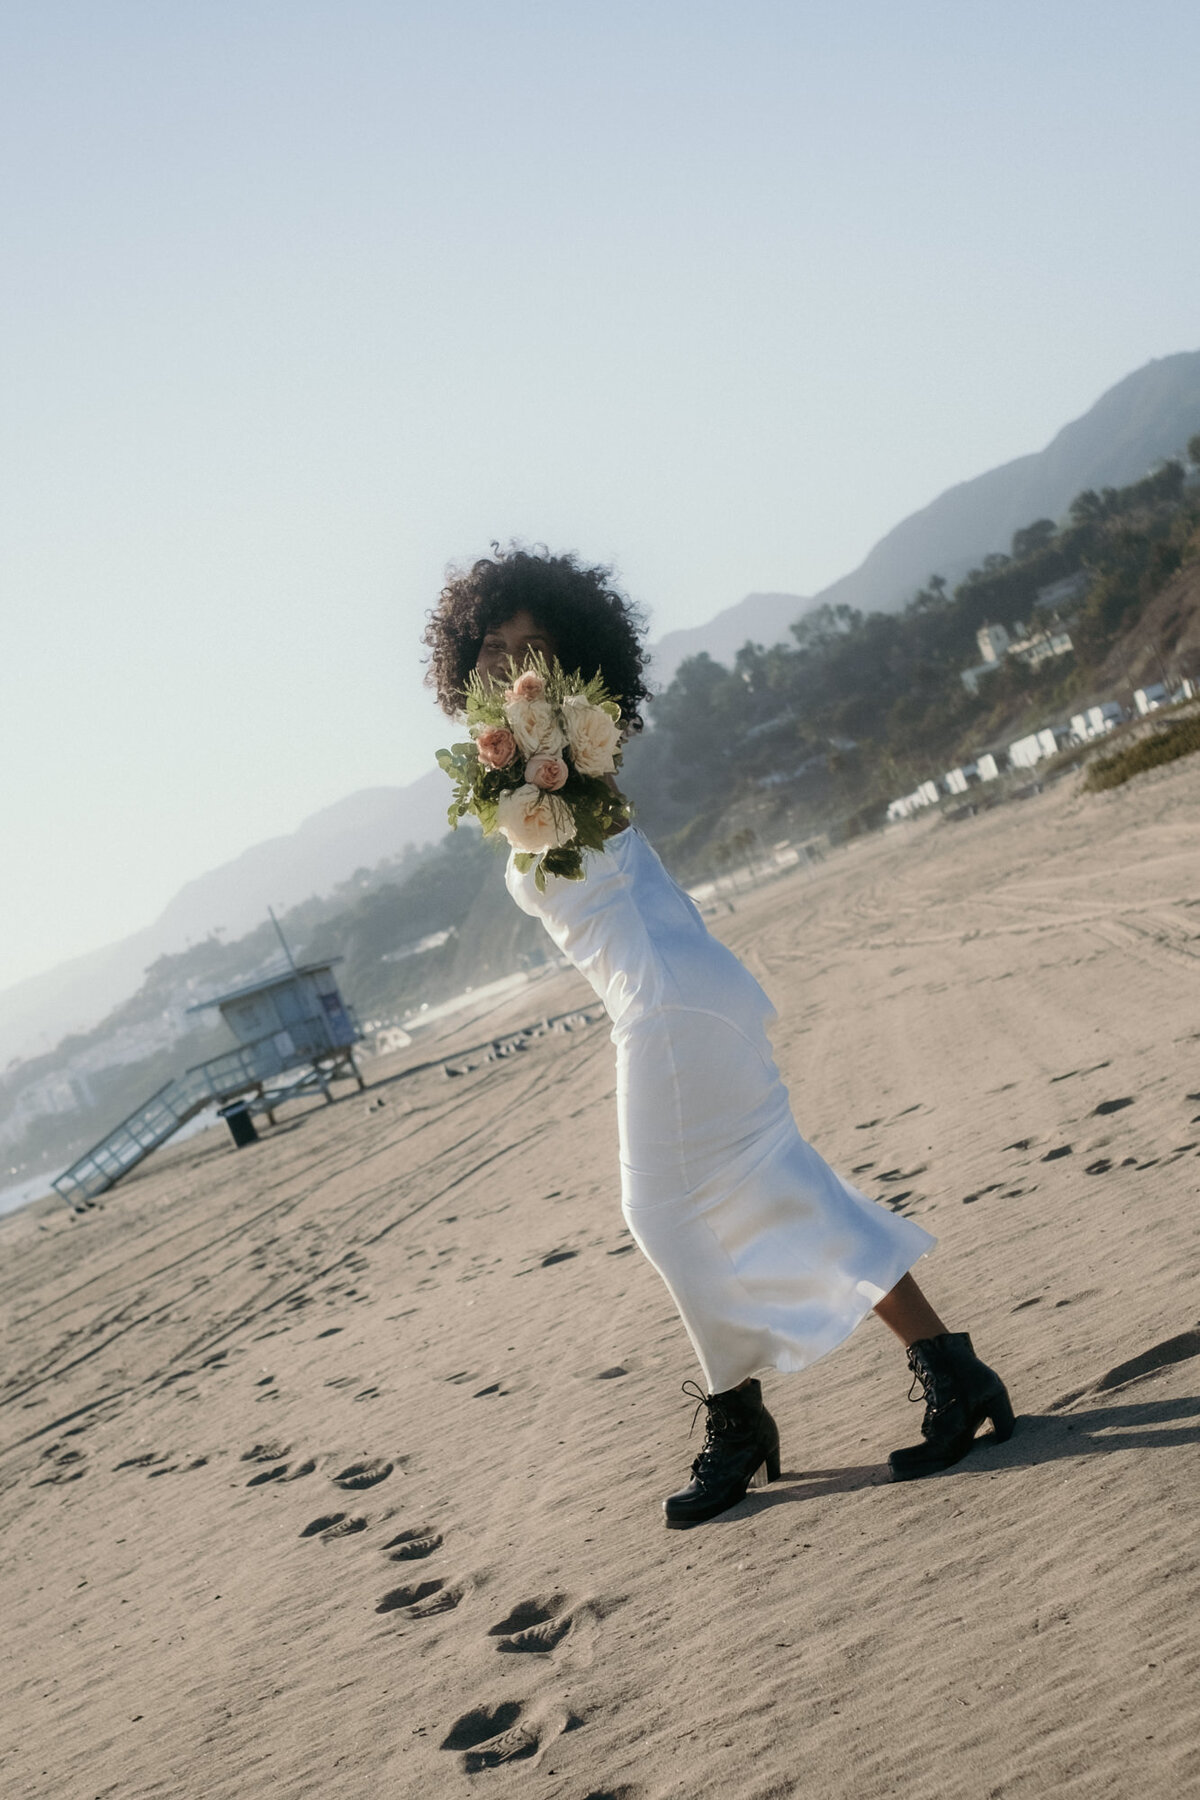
333, 1466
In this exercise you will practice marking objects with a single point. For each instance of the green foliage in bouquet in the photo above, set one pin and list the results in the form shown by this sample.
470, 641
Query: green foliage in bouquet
534, 766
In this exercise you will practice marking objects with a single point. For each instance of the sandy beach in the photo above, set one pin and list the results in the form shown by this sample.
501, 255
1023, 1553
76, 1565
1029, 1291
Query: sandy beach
333, 1466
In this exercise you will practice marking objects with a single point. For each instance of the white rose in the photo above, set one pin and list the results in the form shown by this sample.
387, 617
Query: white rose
534, 821
592, 736
535, 726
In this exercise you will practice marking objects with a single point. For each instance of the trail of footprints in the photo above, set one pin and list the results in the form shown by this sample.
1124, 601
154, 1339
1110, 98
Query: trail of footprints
905, 1199
486, 1737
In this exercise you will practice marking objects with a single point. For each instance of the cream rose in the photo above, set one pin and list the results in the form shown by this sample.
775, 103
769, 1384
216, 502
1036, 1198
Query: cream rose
535, 726
546, 772
592, 736
534, 821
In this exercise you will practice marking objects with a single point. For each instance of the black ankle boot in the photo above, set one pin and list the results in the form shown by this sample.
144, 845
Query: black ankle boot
741, 1450
960, 1392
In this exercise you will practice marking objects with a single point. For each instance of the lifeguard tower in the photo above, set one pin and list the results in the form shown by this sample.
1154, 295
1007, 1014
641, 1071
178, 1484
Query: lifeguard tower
295, 1034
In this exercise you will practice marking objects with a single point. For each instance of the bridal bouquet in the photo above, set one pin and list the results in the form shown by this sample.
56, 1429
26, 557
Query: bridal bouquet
533, 768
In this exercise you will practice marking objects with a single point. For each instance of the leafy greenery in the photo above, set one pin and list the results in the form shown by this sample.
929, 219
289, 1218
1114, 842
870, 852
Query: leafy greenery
1164, 746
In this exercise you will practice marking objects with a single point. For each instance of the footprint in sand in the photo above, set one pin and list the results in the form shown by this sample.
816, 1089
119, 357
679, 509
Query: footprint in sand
490, 1736
422, 1600
1111, 1106
344, 1528
322, 1523
331, 1526
363, 1474
1053, 1155
557, 1256
69, 1465
1071, 1073
618, 1793
412, 1546
159, 1463
534, 1625
281, 1472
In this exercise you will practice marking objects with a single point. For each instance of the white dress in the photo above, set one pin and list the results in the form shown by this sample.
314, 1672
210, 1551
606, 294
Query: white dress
771, 1258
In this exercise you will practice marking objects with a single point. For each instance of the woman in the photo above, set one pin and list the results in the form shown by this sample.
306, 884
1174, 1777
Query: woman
770, 1257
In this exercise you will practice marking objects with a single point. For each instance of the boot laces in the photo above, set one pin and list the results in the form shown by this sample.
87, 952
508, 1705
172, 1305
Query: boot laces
717, 1420
926, 1379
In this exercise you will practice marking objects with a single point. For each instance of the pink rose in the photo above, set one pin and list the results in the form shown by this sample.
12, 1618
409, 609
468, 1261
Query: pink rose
528, 686
547, 772
496, 746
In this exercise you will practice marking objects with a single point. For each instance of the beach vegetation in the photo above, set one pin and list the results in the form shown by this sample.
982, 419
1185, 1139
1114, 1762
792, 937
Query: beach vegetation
1165, 745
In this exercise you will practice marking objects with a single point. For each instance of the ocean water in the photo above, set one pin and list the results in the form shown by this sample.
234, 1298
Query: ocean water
25, 1191
39, 1185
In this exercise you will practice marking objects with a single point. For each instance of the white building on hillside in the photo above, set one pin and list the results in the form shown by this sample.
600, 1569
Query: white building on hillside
1031, 750
1096, 721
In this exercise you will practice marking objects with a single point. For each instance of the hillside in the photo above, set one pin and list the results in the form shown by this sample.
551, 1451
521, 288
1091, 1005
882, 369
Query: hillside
820, 734
1134, 425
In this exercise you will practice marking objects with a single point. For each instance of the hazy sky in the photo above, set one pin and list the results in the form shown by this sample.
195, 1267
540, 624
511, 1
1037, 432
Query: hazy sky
305, 298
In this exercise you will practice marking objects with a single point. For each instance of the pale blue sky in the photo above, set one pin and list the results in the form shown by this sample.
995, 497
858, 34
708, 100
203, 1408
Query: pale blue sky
303, 300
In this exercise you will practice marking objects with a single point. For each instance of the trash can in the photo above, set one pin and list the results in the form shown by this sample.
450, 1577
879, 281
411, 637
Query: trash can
241, 1125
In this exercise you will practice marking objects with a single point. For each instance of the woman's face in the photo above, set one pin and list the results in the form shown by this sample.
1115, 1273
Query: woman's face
506, 647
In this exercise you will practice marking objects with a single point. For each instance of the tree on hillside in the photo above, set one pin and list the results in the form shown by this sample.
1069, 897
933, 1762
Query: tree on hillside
824, 625
1032, 539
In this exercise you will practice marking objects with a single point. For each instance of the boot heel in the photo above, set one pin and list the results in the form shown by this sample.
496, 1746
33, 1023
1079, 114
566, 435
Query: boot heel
760, 1477
1001, 1414
772, 1464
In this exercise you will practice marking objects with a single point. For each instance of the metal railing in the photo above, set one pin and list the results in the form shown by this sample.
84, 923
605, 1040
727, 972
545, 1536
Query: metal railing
219, 1079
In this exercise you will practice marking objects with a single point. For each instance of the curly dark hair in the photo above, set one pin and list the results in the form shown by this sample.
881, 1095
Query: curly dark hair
594, 626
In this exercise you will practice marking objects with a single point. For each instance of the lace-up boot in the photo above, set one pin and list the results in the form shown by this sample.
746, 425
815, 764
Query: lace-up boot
741, 1450
959, 1392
